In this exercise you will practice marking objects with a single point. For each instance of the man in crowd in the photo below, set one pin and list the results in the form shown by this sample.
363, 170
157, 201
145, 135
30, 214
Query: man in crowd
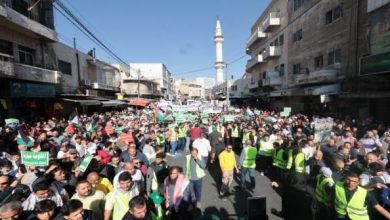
194, 170
117, 202
92, 199
248, 164
227, 163
179, 195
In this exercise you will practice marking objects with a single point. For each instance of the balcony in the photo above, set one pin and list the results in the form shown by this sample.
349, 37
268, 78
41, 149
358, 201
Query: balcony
253, 62
271, 52
323, 75
27, 72
25, 23
272, 21
300, 79
256, 36
253, 84
102, 86
6, 69
272, 79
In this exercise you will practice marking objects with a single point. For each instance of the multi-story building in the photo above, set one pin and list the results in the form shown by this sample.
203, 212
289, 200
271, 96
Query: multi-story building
157, 72
28, 73
268, 50
132, 86
187, 88
87, 83
207, 83
368, 91
307, 53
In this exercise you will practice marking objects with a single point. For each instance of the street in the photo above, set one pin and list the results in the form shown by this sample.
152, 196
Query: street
233, 206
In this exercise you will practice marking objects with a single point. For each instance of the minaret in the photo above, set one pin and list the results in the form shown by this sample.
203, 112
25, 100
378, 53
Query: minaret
219, 64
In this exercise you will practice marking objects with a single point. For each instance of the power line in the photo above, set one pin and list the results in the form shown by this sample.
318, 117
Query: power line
210, 67
90, 25
86, 31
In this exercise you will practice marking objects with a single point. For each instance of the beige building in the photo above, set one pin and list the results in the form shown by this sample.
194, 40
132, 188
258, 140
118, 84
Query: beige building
40, 76
28, 68
306, 54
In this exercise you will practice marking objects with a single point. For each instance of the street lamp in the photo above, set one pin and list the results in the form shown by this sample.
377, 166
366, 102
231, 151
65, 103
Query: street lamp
138, 75
227, 88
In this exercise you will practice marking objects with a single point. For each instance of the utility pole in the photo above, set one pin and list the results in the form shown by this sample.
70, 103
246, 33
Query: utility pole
227, 88
78, 60
138, 75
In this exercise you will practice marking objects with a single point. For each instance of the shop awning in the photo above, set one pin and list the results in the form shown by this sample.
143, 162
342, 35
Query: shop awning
112, 103
83, 102
332, 89
139, 102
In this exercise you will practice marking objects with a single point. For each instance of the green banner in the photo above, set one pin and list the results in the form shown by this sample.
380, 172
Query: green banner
287, 109
284, 114
11, 121
35, 158
84, 164
229, 118
180, 118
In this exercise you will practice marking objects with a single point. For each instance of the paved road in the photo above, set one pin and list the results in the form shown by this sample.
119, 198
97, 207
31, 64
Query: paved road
234, 206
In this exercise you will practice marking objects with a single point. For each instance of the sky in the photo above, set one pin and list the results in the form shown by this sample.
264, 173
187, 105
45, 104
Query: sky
177, 33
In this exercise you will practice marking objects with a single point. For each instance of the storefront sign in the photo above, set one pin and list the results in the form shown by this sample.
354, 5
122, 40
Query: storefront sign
34, 90
35, 158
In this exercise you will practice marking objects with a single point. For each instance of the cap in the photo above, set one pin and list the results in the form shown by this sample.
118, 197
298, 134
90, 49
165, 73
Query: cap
325, 171
156, 198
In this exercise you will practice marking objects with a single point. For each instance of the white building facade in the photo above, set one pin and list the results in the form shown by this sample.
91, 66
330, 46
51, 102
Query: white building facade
157, 72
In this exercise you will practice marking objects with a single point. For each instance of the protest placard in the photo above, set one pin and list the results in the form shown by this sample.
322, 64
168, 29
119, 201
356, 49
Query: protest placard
84, 164
322, 129
35, 158
229, 118
11, 121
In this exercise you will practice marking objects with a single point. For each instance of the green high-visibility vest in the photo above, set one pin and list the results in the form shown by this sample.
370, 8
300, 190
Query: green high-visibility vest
266, 148
160, 140
355, 209
278, 160
246, 137
121, 206
250, 157
298, 161
321, 195
235, 133
183, 132
199, 171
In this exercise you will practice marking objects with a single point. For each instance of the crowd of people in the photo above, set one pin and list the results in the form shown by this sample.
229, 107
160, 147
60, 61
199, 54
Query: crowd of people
129, 177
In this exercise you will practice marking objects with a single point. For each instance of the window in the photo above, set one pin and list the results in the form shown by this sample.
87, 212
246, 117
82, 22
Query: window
26, 55
319, 61
281, 40
298, 4
65, 67
281, 70
296, 68
334, 14
334, 57
276, 42
233, 88
6, 47
298, 35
